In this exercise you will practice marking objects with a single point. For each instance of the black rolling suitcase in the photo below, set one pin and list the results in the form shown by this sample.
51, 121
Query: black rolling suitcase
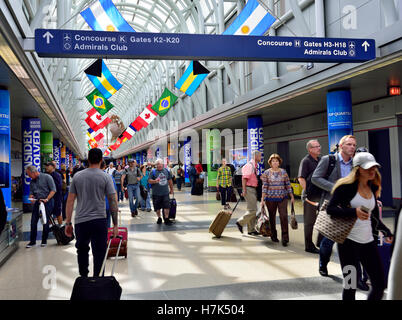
198, 189
173, 208
59, 233
98, 288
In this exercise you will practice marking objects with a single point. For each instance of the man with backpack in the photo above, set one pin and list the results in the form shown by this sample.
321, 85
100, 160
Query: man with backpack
311, 194
134, 176
161, 181
330, 169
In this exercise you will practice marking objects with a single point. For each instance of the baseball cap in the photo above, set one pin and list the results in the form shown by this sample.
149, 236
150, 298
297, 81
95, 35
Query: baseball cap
365, 160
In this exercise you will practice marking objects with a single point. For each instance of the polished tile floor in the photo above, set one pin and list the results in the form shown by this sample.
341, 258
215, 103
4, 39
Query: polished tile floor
182, 261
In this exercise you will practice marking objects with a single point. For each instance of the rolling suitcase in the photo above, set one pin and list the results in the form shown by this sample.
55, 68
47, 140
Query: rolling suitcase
198, 189
58, 231
221, 220
173, 208
98, 288
114, 242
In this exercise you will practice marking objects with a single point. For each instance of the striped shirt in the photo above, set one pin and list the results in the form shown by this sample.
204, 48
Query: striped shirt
224, 177
276, 185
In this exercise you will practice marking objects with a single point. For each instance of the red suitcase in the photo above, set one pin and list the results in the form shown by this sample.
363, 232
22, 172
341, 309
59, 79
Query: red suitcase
114, 242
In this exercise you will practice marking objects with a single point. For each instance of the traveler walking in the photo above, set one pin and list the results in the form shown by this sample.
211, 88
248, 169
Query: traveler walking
224, 184
134, 176
355, 196
192, 175
145, 191
180, 176
90, 187
162, 185
275, 191
329, 170
111, 169
249, 192
311, 194
117, 174
41, 190
57, 198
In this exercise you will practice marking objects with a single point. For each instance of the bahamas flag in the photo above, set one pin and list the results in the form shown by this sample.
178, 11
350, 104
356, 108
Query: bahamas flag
253, 20
103, 79
165, 102
104, 16
192, 78
99, 102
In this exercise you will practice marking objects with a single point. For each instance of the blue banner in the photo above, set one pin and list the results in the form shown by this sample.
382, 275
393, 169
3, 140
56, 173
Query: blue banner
340, 120
144, 156
187, 158
138, 158
56, 152
255, 139
5, 143
67, 158
31, 151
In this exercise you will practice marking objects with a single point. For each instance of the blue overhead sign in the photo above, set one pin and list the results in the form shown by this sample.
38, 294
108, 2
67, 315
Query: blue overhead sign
181, 46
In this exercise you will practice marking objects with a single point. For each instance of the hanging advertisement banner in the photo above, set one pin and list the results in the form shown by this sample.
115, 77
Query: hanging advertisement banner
255, 139
340, 120
187, 159
56, 152
31, 151
5, 143
46, 148
62, 153
213, 147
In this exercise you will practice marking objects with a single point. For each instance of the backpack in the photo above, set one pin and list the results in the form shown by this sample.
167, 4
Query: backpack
314, 192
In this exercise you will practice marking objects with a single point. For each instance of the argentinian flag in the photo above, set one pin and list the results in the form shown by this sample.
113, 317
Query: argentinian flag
104, 16
253, 20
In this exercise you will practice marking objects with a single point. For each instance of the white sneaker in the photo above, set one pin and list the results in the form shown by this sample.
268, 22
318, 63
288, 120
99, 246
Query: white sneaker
43, 245
30, 245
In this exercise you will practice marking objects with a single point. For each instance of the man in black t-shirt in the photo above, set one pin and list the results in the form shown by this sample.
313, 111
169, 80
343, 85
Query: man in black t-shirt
311, 194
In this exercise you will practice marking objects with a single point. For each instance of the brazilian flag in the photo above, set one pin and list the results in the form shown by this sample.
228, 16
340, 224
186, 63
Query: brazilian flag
99, 102
165, 102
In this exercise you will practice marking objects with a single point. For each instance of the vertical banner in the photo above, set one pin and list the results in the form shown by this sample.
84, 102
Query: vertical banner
70, 159
138, 158
31, 151
255, 139
67, 158
46, 148
187, 159
62, 153
5, 147
340, 120
56, 152
213, 146
144, 156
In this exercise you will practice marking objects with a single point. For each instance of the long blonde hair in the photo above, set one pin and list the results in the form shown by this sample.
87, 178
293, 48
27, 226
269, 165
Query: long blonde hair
354, 175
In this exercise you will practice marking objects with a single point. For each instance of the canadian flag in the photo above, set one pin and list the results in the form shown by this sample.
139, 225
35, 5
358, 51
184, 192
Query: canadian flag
145, 118
95, 120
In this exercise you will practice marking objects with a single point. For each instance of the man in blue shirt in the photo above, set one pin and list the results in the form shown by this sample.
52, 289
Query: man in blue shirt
321, 179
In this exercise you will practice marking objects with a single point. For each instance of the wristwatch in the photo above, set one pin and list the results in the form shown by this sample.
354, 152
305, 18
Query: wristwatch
69, 223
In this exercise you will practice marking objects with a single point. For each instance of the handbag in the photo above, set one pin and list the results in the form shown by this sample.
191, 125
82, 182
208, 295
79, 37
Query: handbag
218, 196
143, 192
293, 221
334, 228
263, 226
42, 213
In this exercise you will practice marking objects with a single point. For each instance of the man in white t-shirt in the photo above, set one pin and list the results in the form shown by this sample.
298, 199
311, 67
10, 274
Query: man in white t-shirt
110, 169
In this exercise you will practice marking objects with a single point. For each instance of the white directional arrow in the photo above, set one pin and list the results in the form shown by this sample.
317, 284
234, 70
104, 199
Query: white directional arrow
48, 35
365, 45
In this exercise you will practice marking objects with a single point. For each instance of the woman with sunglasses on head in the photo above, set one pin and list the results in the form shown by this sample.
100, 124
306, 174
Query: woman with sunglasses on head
356, 196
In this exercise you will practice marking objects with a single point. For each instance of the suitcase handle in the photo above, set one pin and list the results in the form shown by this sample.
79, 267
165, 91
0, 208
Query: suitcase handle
115, 260
238, 201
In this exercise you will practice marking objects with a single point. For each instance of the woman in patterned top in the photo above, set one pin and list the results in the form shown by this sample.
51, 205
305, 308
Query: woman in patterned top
224, 183
275, 191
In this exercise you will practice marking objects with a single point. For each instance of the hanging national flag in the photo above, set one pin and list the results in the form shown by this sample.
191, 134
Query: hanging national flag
165, 102
107, 152
129, 132
95, 121
192, 78
104, 16
92, 143
102, 78
99, 102
95, 135
145, 118
253, 20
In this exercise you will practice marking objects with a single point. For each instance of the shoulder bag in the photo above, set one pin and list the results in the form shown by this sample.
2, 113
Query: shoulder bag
334, 228
293, 221
263, 226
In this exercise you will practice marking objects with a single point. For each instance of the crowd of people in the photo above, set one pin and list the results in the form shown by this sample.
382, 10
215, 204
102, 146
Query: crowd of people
349, 181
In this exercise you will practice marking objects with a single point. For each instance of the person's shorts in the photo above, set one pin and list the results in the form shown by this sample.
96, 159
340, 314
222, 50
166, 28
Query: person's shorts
161, 202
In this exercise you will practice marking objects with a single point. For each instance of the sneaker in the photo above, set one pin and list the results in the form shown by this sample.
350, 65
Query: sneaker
30, 245
240, 227
362, 285
43, 244
142, 209
159, 221
168, 222
148, 210
253, 233
323, 271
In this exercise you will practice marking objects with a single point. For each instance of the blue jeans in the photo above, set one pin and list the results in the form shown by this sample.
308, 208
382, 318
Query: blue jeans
179, 182
192, 181
146, 203
325, 251
35, 219
120, 194
133, 193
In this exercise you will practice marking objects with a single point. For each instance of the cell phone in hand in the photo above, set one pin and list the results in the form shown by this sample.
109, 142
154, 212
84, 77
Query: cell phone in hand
364, 209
